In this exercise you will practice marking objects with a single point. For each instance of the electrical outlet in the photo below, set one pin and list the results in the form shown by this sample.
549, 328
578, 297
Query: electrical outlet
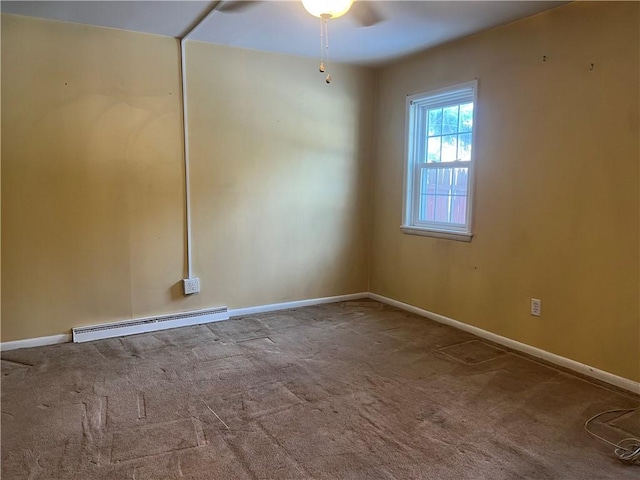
536, 307
191, 285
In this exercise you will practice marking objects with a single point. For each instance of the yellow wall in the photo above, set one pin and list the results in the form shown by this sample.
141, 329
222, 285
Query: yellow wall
281, 175
93, 184
557, 186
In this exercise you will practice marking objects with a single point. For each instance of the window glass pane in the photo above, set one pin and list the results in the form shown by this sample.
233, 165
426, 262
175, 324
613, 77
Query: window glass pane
459, 196
430, 201
426, 209
466, 117
443, 194
459, 210
433, 149
450, 120
444, 181
464, 146
442, 209
435, 122
431, 180
428, 182
449, 148
460, 181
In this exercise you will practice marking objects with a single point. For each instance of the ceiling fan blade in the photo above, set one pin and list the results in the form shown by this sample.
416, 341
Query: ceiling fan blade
236, 6
365, 13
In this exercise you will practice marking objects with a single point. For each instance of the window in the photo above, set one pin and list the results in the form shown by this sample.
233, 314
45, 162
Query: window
439, 168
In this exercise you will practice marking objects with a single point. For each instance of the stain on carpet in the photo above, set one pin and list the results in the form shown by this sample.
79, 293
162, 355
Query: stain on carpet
153, 440
472, 352
628, 423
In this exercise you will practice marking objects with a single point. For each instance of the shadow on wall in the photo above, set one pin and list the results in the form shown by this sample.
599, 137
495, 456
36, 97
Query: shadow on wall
96, 203
280, 175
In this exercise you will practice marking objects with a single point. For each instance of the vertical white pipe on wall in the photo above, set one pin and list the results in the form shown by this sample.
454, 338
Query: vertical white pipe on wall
187, 182
185, 125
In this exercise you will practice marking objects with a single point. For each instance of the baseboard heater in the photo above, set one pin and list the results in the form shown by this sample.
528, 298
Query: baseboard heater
150, 324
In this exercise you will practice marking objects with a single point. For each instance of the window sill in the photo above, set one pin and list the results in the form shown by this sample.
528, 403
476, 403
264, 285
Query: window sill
460, 237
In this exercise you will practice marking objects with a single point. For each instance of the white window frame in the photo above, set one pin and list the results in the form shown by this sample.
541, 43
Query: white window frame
415, 149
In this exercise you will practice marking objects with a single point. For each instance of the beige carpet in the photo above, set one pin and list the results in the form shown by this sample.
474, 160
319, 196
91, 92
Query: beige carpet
354, 390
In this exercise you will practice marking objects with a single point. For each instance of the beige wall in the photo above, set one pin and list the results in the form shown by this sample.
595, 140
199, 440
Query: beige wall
557, 186
93, 185
281, 178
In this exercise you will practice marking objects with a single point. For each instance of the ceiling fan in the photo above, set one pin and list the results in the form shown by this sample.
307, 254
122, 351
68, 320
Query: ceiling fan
364, 14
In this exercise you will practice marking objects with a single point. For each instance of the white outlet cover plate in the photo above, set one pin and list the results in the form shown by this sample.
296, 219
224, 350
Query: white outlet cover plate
191, 285
536, 307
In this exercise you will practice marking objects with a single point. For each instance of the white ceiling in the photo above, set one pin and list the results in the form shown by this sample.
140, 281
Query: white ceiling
284, 26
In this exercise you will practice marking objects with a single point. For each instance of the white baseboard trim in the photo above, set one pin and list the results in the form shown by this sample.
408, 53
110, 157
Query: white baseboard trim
587, 370
35, 342
581, 368
66, 337
149, 324
239, 312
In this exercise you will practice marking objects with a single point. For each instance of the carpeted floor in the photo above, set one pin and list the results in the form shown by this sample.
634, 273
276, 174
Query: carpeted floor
352, 390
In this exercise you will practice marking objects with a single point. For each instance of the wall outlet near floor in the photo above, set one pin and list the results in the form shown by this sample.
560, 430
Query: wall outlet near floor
536, 307
191, 285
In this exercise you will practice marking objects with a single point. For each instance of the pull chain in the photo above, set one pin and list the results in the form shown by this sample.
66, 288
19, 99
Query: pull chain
321, 69
326, 43
324, 46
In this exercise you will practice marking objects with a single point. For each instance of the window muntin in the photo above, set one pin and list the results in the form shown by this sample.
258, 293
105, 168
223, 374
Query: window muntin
440, 134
